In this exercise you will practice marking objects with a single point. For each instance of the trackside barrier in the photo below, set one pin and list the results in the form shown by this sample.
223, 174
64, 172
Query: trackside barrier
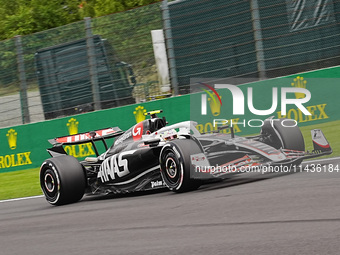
24, 146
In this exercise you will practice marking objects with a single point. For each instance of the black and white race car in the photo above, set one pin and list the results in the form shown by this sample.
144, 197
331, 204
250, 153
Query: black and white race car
153, 155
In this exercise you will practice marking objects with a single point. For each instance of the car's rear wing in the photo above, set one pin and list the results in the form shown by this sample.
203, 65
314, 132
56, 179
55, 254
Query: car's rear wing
81, 138
87, 137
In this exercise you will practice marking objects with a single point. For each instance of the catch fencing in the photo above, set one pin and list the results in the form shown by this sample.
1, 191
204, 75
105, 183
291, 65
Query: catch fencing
89, 65
253, 39
109, 61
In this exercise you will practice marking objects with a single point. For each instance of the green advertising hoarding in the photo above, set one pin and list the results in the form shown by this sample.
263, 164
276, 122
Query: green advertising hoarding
24, 146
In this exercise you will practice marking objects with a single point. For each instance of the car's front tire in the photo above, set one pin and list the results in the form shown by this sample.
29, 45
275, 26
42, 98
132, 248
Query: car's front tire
175, 165
62, 180
282, 133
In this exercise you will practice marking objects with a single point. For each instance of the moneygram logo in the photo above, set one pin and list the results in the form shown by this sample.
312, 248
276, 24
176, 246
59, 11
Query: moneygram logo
239, 100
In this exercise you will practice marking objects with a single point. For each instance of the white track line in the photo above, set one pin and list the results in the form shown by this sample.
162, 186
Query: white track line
25, 198
323, 159
20, 198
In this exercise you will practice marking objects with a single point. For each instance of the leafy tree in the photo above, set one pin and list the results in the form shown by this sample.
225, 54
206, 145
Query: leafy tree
127, 32
22, 17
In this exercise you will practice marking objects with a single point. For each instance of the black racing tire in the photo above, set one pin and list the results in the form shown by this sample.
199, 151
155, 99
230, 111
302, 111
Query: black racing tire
175, 165
287, 136
62, 180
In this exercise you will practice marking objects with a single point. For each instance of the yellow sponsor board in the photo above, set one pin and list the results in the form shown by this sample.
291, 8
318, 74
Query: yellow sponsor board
139, 113
79, 150
14, 159
318, 113
72, 126
209, 127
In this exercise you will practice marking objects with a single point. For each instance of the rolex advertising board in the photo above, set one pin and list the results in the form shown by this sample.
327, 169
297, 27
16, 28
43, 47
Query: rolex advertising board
24, 147
308, 98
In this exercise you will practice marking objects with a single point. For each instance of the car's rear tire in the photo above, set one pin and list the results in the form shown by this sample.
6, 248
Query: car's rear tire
175, 165
62, 180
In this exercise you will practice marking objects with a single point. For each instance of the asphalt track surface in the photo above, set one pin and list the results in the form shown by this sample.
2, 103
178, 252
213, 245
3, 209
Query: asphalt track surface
295, 213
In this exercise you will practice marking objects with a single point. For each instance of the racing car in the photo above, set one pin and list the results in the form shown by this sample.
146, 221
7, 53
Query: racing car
153, 154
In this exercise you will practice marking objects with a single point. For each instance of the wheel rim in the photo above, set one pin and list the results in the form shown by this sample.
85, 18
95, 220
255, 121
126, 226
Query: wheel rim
171, 167
50, 185
49, 182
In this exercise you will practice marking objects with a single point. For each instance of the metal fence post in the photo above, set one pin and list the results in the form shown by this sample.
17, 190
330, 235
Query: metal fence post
170, 46
255, 14
23, 84
91, 53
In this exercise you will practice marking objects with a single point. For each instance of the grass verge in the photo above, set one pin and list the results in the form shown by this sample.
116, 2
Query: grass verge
332, 132
25, 183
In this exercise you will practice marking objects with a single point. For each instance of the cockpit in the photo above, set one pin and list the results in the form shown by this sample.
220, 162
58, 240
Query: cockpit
152, 125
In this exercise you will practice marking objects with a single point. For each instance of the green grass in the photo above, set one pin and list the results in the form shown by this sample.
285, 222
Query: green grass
25, 183
332, 132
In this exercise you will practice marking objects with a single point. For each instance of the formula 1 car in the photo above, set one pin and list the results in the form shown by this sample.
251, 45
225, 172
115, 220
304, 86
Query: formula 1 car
152, 155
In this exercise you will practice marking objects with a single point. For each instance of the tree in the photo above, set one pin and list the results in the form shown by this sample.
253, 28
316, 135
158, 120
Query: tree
22, 17
121, 31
